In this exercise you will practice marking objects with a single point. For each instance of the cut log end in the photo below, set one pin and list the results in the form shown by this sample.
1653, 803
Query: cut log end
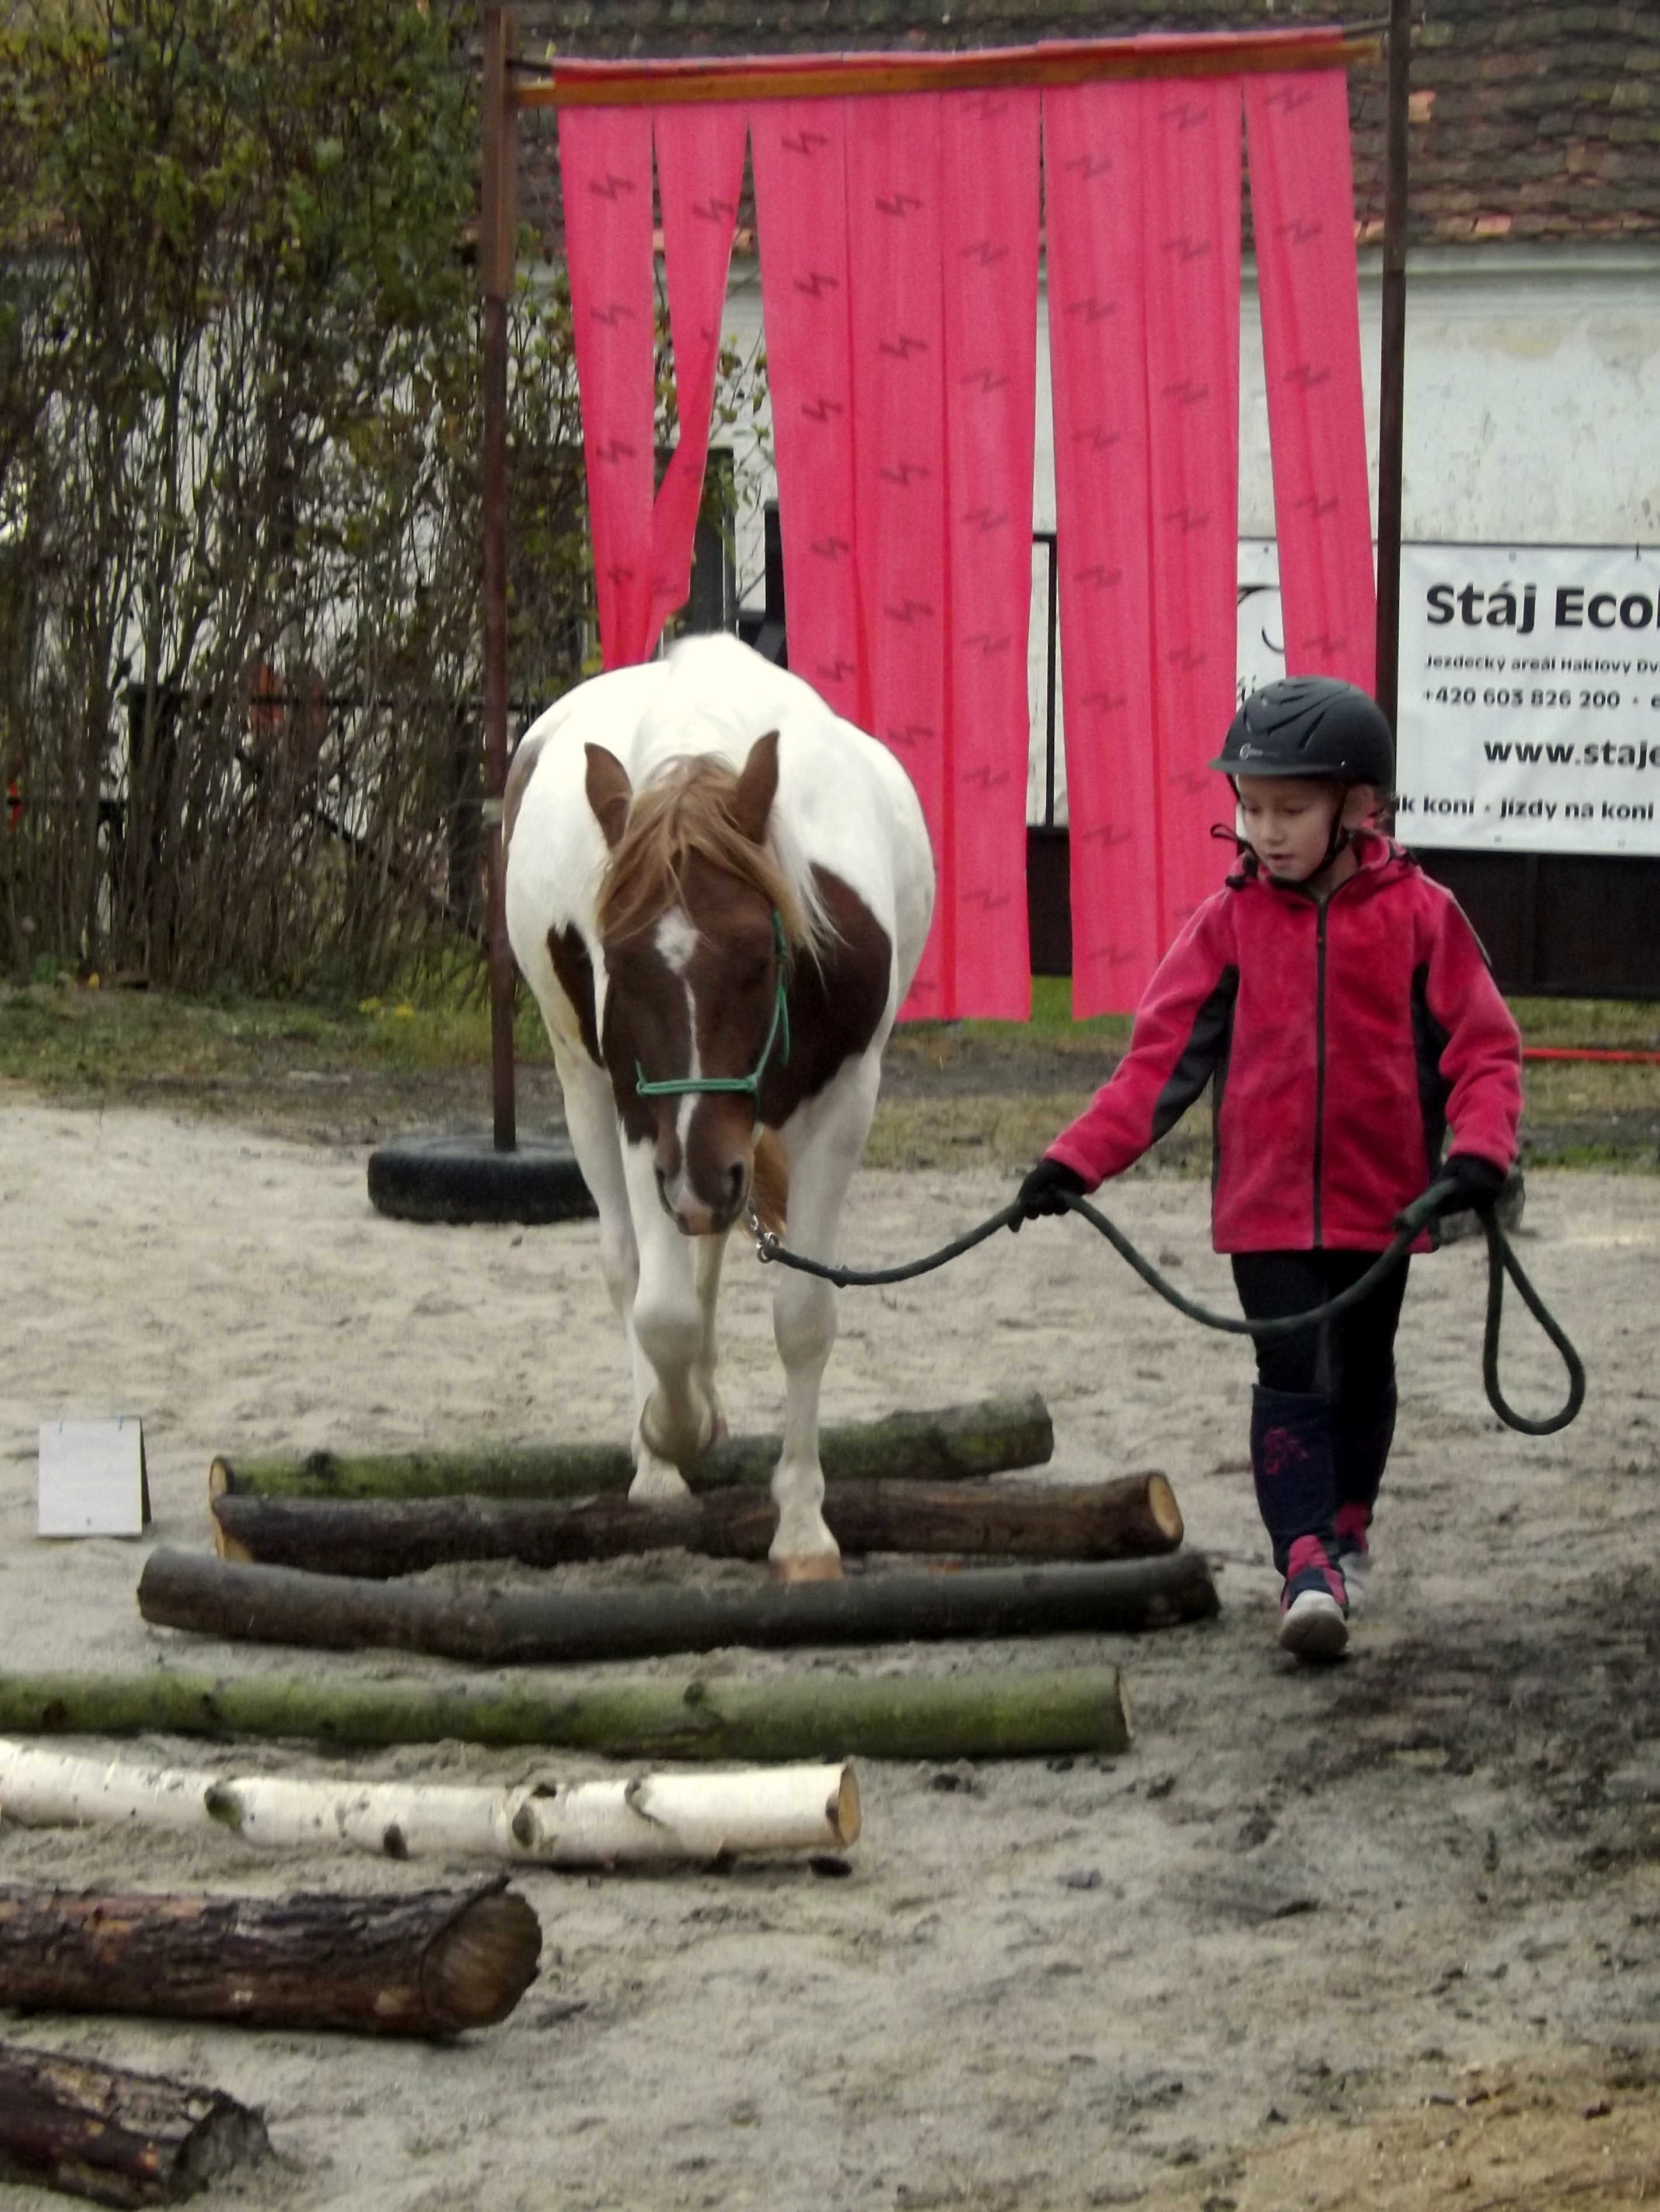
231, 2137
844, 1811
480, 1965
222, 1479
1167, 1513
119, 2137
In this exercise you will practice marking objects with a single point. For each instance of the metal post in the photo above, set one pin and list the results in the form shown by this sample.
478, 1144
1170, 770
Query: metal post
497, 258
1050, 656
1392, 394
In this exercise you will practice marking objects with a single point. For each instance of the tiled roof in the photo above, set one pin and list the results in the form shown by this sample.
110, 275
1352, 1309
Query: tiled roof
1529, 120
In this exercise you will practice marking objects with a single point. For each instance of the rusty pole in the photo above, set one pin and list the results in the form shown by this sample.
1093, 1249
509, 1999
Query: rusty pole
497, 258
1392, 384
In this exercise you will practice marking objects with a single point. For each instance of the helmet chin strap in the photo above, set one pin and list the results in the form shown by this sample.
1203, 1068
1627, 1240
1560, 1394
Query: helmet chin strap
1341, 835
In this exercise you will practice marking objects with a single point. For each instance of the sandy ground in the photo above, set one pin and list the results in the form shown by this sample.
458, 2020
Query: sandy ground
1382, 1934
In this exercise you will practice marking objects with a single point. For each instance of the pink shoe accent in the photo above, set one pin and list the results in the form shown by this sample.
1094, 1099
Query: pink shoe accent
1352, 1522
1308, 1556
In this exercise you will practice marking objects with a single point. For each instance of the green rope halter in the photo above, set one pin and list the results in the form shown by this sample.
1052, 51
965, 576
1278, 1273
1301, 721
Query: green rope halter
749, 1084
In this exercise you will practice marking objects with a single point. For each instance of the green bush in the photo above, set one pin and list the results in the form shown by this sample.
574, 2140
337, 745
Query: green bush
238, 488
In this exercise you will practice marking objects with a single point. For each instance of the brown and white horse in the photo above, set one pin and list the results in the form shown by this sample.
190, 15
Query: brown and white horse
719, 892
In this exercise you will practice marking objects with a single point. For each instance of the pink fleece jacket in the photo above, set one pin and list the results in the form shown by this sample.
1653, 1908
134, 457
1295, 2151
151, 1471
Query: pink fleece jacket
1343, 1037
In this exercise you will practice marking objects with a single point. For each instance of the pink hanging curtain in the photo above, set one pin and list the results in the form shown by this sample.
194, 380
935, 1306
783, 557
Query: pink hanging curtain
642, 547
1303, 199
898, 262
988, 150
1190, 246
1092, 172
700, 172
898, 265
604, 160
899, 470
1144, 262
799, 150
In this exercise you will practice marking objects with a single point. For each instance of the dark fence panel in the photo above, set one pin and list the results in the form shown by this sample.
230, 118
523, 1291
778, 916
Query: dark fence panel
1565, 925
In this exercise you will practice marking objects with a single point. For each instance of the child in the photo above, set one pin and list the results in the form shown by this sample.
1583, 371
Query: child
1340, 1006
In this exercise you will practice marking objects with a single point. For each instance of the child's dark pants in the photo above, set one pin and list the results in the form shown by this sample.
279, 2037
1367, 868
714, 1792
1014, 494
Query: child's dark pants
1322, 1414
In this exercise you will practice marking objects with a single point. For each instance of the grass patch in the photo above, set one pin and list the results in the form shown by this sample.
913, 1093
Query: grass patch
64, 1039
1605, 1024
954, 1094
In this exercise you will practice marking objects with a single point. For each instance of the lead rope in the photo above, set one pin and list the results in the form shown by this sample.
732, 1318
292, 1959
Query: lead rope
1501, 1260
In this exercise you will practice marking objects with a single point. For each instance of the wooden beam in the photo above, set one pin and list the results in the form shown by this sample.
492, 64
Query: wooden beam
644, 1820
1131, 1518
861, 76
944, 1444
431, 1963
533, 1627
497, 258
115, 2136
1008, 1713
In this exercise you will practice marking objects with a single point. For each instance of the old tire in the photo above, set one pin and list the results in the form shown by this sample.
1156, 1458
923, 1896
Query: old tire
462, 1179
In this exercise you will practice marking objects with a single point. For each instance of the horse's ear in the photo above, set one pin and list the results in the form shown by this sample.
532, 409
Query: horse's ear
757, 786
609, 793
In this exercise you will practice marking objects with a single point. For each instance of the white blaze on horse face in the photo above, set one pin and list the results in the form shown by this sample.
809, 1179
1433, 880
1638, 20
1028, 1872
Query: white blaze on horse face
675, 939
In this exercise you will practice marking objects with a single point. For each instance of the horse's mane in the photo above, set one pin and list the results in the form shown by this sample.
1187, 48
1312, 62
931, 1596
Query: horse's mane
686, 809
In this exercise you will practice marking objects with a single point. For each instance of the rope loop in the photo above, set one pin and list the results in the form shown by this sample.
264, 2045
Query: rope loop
1501, 1261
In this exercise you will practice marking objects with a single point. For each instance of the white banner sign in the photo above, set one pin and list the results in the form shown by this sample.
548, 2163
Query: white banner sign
1530, 698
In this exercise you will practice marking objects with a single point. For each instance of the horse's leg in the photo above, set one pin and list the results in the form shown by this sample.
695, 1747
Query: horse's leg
677, 1420
823, 1140
707, 1254
591, 1118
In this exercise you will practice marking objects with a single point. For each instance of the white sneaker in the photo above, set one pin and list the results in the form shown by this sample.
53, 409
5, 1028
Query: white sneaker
1313, 1627
1356, 1568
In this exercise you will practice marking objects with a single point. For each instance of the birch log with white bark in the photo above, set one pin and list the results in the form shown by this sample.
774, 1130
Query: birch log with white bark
653, 1819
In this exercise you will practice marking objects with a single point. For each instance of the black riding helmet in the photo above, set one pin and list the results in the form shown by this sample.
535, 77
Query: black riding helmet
1310, 725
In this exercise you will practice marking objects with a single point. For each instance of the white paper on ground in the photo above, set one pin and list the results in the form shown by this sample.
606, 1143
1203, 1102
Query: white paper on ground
93, 1479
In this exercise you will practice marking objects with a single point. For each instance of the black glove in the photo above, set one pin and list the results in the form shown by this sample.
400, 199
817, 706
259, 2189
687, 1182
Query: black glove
1476, 1182
1046, 1190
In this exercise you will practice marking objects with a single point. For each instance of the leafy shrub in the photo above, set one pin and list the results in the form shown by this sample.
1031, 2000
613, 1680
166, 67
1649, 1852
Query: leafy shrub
239, 488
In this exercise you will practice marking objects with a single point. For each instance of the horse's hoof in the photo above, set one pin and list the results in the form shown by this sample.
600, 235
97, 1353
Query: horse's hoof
816, 1567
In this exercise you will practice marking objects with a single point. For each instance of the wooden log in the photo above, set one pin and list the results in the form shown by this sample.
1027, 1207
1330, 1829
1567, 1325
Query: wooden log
116, 2136
519, 1627
1046, 1714
432, 1963
652, 1819
949, 1445
1131, 1518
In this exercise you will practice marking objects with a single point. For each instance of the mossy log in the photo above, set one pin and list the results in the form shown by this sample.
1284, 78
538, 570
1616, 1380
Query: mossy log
1131, 1518
533, 1627
115, 2136
950, 1444
432, 1963
1008, 1714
